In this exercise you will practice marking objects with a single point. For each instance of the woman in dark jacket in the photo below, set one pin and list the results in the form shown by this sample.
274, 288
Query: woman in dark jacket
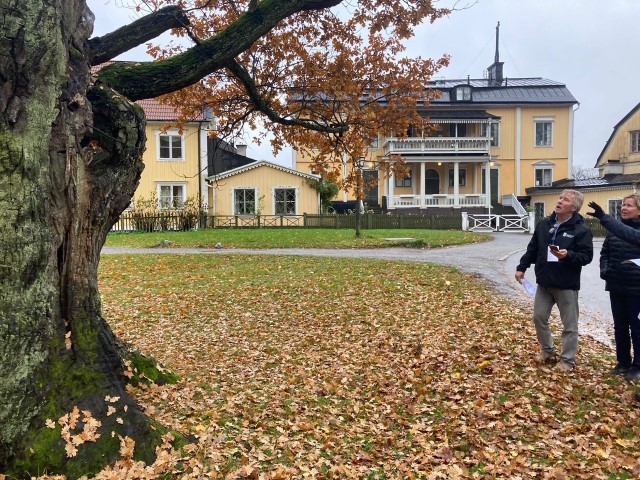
623, 284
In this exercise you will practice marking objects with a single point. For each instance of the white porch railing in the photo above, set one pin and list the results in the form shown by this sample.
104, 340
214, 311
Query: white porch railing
443, 145
438, 200
498, 223
511, 200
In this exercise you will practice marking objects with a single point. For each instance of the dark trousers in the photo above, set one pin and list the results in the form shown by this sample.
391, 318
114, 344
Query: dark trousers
625, 310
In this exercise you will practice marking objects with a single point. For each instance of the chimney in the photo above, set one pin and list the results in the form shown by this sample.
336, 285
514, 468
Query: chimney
495, 70
241, 149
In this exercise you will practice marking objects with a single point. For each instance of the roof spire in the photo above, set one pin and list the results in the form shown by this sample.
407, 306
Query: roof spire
495, 70
497, 59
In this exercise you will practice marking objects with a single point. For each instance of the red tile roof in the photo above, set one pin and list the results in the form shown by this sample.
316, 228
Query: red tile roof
153, 108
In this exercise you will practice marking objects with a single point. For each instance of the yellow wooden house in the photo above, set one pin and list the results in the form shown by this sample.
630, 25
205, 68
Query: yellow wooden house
262, 188
619, 172
175, 160
488, 140
188, 165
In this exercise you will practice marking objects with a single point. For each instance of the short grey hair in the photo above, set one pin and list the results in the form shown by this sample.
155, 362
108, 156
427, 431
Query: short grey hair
578, 197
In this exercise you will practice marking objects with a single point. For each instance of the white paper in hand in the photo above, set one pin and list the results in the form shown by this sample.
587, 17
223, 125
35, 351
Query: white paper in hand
529, 287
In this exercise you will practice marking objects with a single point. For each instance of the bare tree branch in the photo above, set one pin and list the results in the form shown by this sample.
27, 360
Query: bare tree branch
262, 105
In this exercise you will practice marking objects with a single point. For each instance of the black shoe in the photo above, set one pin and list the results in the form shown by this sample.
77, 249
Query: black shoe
619, 370
633, 375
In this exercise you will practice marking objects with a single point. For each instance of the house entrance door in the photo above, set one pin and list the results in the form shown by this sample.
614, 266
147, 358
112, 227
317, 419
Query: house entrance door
493, 179
370, 178
431, 182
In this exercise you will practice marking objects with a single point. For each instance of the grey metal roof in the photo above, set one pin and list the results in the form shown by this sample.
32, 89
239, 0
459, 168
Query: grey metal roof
485, 82
586, 184
457, 114
510, 91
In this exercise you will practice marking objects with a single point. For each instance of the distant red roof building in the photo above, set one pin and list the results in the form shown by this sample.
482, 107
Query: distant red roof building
153, 108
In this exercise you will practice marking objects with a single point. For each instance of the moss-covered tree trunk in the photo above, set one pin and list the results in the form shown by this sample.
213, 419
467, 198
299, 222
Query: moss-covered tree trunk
70, 160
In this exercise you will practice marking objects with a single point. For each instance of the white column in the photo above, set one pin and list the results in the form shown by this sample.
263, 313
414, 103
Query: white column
518, 149
390, 196
487, 182
204, 185
456, 186
422, 184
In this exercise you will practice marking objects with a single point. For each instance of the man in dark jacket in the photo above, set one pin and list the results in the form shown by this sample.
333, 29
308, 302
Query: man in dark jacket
561, 245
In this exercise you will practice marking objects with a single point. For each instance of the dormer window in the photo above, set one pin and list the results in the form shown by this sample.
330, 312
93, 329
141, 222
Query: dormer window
463, 93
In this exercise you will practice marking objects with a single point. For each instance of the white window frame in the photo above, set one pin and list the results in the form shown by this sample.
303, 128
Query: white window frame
174, 205
542, 169
615, 205
403, 182
255, 200
375, 144
462, 177
463, 93
170, 134
634, 144
494, 133
539, 209
547, 140
295, 200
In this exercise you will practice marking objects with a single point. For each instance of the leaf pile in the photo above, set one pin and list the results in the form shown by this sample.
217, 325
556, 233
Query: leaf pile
299, 367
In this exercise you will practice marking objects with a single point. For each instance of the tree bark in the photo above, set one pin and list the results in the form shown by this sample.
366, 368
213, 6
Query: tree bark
70, 160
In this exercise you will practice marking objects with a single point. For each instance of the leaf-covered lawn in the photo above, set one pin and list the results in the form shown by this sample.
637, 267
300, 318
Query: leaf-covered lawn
298, 367
297, 238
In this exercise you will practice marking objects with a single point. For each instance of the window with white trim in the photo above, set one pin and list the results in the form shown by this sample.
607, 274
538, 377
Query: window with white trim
462, 177
615, 205
375, 143
543, 176
544, 132
284, 201
635, 141
172, 195
170, 147
244, 201
538, 208
463, 94
494, 133
403, 182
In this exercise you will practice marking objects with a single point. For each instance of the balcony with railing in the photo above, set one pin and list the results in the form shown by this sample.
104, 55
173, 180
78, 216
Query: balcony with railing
439, 200
426, 146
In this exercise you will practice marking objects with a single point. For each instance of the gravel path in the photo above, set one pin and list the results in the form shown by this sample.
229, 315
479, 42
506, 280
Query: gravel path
493, 261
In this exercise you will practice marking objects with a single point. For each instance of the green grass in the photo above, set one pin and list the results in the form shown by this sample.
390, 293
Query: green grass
296, 238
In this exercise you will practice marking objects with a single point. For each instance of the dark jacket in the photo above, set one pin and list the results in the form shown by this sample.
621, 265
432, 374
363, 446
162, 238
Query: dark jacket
620, 277
572, 235
621, 230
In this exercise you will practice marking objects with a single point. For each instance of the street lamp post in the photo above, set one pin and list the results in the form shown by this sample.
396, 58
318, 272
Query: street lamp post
359, 167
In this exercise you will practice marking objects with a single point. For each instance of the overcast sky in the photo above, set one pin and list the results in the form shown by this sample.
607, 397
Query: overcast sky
589, 45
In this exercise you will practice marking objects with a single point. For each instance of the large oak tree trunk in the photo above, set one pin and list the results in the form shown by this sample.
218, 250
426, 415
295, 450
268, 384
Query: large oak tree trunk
70, 160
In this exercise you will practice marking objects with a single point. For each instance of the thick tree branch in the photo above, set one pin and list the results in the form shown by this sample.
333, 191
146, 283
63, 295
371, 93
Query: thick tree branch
130, 36
139, 81
262, 105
